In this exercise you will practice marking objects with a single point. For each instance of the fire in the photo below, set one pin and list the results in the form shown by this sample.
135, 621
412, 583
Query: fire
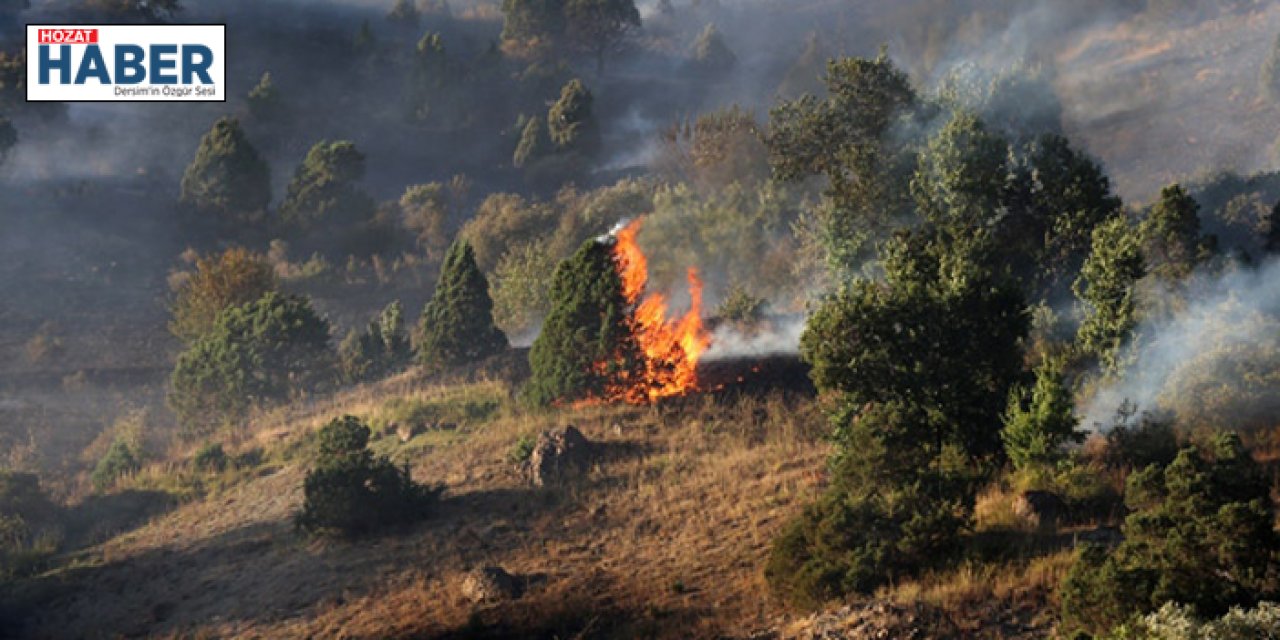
671, 348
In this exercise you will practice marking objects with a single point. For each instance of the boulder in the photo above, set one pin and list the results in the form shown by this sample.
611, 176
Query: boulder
557, 454
490, 584
1040, 509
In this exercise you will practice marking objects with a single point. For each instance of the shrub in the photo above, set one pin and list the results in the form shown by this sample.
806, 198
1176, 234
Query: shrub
232, 278
210, 457
382, 348
1174, 622
457, 324
121, 459
1200, 534
522, 448
351, 492
255, 353
521, 288
29, 525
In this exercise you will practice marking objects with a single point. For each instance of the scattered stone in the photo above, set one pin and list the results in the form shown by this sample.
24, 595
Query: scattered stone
558, 453
490, 584
1040, 509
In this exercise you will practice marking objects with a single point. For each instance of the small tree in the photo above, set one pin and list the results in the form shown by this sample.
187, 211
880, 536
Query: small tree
232, 278
586, 344
533, 143
381, 348
427, 210
570, 122
325, 187
256, 352
597, 26
457, 324
532, 20
710, 54
351, 492
1171, 235
120, 460
227, 177
264, 99
1106, 288
1039, 422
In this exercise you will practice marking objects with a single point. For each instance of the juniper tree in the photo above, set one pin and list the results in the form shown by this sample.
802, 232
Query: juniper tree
227, 177
586, 344
325, 187
1170, 233
570, 122
1041, 420
457, 324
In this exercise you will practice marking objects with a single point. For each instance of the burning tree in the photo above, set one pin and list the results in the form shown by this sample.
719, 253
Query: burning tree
607, 338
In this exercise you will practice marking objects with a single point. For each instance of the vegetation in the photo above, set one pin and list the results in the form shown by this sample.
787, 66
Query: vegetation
457, 325
228, 178
351, 492
1106, 287
1039, 422
382, 348
230, 279
121, 459
325, 187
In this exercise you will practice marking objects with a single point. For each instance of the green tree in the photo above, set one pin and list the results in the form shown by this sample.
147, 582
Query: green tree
120, 460
960, 177
1200, 533
325, 187
586, 345
846, 139
227, 177
1106, 289
264, 100
526, 20
254, 353
534, 142
570, 122
380, 349
457, 324
1040, 421
521, 288
428, 210
351, 492
1170, 233
229, 279
598, 26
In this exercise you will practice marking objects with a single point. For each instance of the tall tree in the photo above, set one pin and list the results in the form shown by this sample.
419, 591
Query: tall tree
598, 26
1171, 235
586, 344
227, 177
1106, 287
457, 324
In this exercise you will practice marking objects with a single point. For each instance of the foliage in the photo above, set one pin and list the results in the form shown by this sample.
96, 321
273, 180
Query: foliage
227, 177
1040, 421
741, 307
265, 103
715, 150
710, 55
502, 220
1170, 234
1200, 534
210, 457
324, 187
381, 348
255, 352
1176, 622
229, 279
351, 492
959, 178
1137, 445
1106, 289
457, 324
521, 288
589, 323
570, 122
428, 210
522, 448
534, 142
597, 26
121, 459
525, 20
29, 525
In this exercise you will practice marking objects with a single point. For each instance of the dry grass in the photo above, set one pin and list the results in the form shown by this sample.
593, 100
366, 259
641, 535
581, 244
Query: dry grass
665, 536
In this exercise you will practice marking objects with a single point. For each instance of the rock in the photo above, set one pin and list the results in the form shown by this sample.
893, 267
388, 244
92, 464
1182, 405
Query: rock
407, 432
490, 584
1040, 509
557, 453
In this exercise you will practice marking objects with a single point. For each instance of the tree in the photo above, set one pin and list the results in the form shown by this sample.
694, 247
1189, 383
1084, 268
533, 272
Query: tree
521, 288
846, 139
257, 352
382, 348
960, 177
324, 187
264, 99
586, 345
232, 278
597, 26
1200, 533
227, 177
570, 122
404, 13
1106, 289
351, 492
1171, 235
428, 209
532, 20
534, 142
457, 324
1040, 421
710, 54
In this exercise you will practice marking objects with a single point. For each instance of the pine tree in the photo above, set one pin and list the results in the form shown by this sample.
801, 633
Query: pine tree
570, 122
325, 187
1171, 235
457, 324
1106, 288
589, 325
227, 177
1040, 421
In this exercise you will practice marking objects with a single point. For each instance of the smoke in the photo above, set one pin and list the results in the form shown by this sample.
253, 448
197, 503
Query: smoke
775, 335
1214, 362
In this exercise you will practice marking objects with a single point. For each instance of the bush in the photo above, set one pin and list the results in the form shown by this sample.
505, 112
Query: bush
255, 353
381, 349
232, 278
29, 525
1200, 534
210, 457
121, 459
351, 492
1174, 622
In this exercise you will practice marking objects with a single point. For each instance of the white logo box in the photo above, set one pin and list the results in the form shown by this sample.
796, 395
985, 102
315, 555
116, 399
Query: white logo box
126, 63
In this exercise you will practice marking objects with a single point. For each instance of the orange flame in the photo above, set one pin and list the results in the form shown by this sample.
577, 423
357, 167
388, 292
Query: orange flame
671, 348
